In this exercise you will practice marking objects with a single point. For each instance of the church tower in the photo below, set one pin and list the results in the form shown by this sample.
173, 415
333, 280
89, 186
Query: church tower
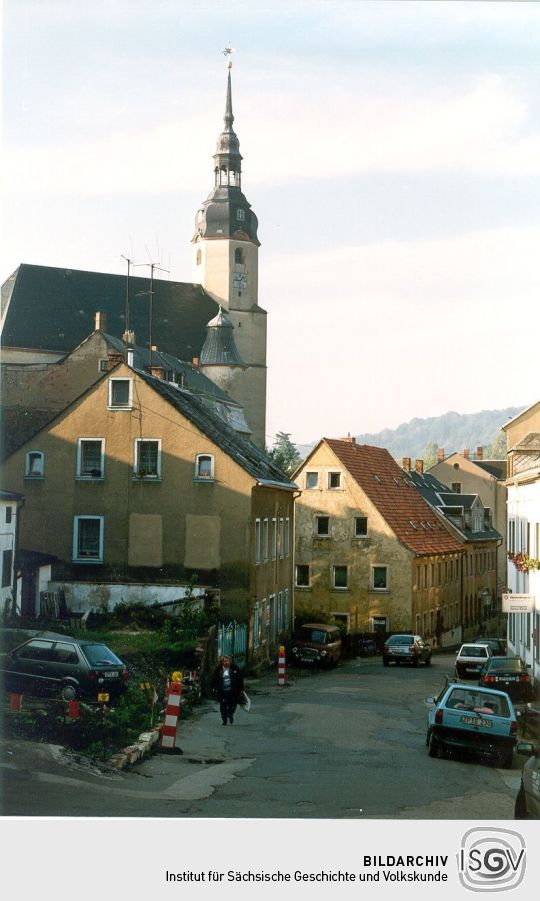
225, 247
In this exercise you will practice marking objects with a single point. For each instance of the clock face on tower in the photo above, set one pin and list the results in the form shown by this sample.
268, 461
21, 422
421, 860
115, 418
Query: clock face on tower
240, 280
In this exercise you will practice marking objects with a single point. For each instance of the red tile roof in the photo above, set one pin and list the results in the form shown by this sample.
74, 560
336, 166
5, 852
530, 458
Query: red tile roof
400, 503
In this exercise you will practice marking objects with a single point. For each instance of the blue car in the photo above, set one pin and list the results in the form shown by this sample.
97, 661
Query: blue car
471, 718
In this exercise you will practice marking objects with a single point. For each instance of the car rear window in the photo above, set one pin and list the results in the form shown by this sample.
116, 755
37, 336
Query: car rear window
400, 639
508, 664
472, 650
472, 699
100, 653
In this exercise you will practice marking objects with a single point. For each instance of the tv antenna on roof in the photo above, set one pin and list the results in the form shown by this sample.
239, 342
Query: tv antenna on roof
150, 294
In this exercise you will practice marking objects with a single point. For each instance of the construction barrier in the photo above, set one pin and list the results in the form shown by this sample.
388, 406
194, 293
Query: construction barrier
281, 666
172, 713
15, 702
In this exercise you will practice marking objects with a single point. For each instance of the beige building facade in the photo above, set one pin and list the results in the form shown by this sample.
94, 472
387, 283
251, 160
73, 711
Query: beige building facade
368, 549
137, 481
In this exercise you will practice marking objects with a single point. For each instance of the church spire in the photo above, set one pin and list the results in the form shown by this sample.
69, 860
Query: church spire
227, 158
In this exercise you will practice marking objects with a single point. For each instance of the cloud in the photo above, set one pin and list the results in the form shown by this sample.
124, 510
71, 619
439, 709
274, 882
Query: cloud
286, 135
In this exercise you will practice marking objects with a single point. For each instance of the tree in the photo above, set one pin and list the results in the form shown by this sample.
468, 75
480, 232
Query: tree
284, 454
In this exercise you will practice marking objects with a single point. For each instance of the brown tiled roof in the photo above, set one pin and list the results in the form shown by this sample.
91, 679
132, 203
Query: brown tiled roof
400, 503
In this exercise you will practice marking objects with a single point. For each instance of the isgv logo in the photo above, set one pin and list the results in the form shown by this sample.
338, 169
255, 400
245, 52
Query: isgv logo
491, 860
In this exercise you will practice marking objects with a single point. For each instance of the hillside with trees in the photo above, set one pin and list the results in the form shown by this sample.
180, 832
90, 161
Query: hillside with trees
420, 438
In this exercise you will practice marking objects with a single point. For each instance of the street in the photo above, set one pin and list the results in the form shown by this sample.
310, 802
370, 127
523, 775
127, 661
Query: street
346, 744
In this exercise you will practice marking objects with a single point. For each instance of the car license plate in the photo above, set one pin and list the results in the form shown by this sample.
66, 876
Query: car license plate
475, 721
472, 669
401, 650
109, 674
508, 679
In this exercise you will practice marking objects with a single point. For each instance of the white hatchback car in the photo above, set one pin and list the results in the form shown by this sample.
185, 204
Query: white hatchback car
470, 659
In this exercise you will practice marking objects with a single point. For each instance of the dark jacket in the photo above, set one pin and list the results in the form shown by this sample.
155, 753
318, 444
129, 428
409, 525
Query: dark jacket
237, 682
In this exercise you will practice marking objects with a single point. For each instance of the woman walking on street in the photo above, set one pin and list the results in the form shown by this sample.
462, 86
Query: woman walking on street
228, 684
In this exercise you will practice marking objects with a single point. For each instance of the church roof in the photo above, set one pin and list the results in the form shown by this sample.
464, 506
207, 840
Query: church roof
53, 309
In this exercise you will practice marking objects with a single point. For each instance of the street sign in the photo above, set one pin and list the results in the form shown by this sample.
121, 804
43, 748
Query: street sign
103, 697
518, 603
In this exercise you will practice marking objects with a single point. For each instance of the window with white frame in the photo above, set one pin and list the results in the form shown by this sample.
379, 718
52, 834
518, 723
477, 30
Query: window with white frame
120, 394
286, 609
90, 458
379, 578
103, 365
280, 611
272, 616
265, 545
256, 625
88, 539
322, 526
312, 479
273, 539
281, 536
456, 487
263, 620
287, 538
240, 215
147, 462
35, 465
204, 467
257, 541
302, 575
334, 480
360, 526
340, 577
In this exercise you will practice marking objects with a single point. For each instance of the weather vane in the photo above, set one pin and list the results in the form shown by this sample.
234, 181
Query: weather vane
228, 51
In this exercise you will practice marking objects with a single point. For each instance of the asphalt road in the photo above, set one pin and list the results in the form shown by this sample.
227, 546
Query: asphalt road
348, 743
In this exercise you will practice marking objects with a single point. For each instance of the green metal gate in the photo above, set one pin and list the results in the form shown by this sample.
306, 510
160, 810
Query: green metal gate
232, 641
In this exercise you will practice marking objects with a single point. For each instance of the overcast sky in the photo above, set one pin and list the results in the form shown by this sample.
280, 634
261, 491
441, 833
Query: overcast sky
391, 152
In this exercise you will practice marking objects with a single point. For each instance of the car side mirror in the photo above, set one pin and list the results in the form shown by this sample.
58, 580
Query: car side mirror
526, 749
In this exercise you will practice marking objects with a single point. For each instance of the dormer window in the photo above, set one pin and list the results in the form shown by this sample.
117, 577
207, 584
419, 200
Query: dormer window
120, 394
204, 467
240, 215
35, 465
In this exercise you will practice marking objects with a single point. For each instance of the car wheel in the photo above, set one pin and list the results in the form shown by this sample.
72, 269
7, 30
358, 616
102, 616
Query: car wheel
520, 808
504, 759
434, 747
68, 692
385, 661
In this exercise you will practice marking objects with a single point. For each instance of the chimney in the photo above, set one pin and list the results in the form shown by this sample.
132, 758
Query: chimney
158, 372
129, 337
350, 439
479, 453
419, 466
114, 358
100, 321
406, 464
466, 453
440, 454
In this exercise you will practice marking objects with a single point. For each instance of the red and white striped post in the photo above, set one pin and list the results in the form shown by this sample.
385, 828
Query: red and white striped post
172, 713
281, 665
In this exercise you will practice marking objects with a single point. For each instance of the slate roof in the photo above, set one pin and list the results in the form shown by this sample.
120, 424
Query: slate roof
243, 452
495, 468
54, 309
391, 490
452, 505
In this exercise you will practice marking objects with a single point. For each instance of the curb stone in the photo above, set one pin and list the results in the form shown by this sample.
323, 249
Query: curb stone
141, 748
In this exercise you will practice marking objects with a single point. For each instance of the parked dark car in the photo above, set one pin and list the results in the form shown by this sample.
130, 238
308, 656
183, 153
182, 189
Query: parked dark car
317, 643
497, 646
470, 718
528, 797
63, 667
406, 649
509, 674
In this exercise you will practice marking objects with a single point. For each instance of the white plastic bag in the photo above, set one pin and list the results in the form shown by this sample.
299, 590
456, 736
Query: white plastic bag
245, 702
